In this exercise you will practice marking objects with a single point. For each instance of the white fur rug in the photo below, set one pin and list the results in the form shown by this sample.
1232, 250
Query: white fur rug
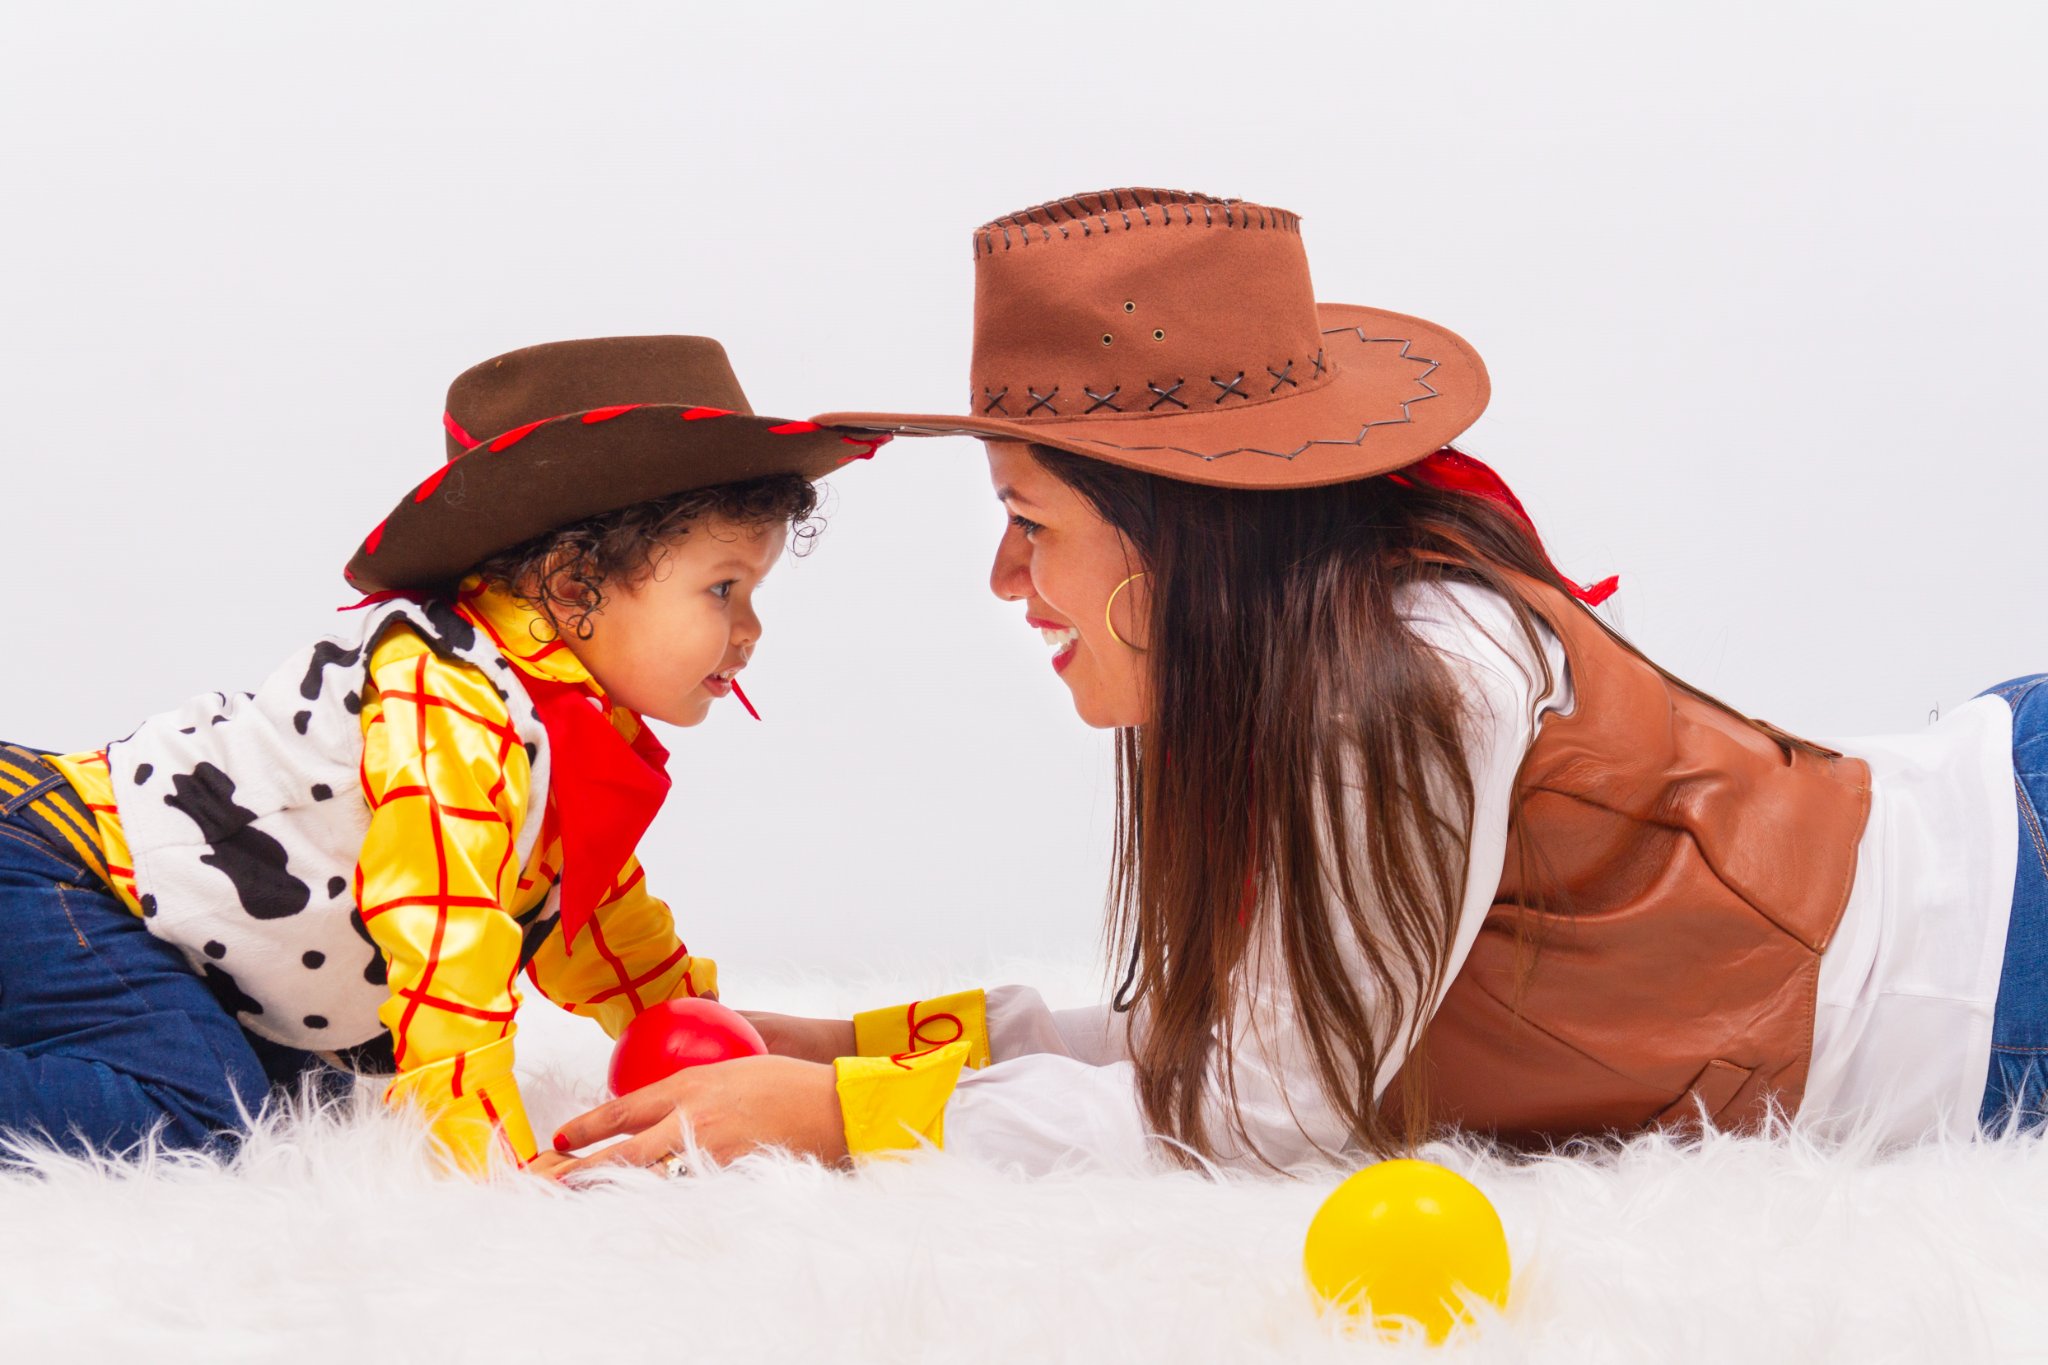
331, 1239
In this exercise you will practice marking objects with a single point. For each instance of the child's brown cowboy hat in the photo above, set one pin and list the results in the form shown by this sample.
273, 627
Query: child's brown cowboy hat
548, 435
1177, 333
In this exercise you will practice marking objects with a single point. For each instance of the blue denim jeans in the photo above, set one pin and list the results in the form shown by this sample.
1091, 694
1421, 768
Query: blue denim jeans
2017, 1088
106, 1034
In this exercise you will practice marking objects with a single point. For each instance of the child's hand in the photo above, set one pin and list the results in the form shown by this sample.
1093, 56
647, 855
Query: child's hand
812, 1040
731, 1108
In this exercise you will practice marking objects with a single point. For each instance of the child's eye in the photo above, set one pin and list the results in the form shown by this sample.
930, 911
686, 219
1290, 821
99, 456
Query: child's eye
723, 590
1025, 524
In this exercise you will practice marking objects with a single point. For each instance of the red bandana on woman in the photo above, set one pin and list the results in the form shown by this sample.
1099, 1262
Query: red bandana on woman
1457, 472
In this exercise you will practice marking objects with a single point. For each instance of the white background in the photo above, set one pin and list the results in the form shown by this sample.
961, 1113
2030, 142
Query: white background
1761, 289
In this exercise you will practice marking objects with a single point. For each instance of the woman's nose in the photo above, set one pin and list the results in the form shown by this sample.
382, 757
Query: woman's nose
1010, 577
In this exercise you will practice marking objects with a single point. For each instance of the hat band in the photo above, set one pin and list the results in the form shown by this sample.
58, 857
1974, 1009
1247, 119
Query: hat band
454, 429
1248, 387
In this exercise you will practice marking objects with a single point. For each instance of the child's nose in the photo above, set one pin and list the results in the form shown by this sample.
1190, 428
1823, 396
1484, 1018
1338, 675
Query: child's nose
746, 628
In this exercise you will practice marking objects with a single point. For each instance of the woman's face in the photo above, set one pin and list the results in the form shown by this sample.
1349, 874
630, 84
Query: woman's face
1063, 561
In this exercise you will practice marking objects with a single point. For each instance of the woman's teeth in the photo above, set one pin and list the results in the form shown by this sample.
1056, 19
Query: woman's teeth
1059, 639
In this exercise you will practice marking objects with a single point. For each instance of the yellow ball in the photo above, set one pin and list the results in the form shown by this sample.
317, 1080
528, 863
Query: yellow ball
1404, 1236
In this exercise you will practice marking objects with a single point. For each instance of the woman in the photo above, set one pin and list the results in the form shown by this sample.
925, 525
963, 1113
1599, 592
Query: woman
1407, 838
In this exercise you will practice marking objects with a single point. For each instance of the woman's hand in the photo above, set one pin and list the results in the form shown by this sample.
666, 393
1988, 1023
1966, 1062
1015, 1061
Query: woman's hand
731, 1108
811, 1040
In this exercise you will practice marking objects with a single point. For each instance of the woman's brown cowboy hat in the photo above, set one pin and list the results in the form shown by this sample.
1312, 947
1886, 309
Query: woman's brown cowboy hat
548, 435
1177, 333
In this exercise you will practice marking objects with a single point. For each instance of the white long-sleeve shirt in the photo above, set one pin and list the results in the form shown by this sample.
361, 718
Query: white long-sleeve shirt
1906, 990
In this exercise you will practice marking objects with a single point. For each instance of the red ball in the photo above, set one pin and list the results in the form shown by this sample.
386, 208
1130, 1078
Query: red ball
678, 1034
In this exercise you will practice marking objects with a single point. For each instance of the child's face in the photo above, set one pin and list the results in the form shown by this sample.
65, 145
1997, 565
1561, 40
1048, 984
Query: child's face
668, 646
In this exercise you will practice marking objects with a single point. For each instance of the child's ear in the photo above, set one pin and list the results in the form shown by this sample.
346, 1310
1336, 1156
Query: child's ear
550, 585
561, 561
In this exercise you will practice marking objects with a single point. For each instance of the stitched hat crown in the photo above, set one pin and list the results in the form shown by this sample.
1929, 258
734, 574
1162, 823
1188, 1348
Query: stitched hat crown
1179, 334
542, 382
1139, 302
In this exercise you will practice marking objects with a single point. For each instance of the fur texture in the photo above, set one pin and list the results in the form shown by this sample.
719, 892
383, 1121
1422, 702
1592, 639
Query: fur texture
331, 1237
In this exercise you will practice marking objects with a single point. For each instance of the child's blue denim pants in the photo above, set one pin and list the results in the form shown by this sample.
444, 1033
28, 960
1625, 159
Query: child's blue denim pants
106, 1034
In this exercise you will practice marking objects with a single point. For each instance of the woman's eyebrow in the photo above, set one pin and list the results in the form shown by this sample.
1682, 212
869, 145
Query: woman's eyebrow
1009, 494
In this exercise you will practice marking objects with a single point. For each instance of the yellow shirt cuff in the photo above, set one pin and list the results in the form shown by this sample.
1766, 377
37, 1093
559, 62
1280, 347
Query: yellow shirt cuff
472, 1105
923, 1025
895, 1104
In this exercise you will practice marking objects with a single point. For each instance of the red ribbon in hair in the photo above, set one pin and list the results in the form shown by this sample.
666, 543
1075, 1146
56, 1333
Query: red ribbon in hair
1456, 472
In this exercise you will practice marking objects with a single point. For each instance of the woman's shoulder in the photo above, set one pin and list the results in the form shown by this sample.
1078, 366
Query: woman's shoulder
1458, 614
1497, 644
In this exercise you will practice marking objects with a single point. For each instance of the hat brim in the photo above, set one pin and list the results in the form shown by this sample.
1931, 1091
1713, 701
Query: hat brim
1400, 389
523, 483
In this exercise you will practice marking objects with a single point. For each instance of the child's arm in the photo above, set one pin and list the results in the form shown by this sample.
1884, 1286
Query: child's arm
628, 959
448, 783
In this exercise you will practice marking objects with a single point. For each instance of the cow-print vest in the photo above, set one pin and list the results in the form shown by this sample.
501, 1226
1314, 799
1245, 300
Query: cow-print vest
245, 817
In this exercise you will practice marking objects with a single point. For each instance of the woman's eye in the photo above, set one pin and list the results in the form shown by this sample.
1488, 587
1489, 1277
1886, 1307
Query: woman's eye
1024, 524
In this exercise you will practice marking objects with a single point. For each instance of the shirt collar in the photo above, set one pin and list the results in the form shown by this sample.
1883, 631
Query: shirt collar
523, 635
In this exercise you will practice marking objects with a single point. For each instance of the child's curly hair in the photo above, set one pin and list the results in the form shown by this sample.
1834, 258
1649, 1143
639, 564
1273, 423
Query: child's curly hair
564, 573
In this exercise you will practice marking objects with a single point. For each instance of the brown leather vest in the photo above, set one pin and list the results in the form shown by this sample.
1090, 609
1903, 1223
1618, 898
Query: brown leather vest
1672, 878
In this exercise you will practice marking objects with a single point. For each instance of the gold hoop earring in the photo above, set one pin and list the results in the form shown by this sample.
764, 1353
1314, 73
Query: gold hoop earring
1110, 606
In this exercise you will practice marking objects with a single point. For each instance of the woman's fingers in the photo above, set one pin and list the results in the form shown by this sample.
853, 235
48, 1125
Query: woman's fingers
626, 1114
549, 1164
650, 1148
732, 1108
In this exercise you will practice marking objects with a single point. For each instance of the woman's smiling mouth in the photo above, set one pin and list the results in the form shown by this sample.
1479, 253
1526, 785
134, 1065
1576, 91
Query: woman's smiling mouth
1062, 640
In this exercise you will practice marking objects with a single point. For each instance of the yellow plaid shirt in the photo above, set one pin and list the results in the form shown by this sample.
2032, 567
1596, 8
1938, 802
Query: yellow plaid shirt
449, 787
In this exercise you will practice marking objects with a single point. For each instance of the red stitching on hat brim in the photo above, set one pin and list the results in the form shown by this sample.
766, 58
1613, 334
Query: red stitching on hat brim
807, 434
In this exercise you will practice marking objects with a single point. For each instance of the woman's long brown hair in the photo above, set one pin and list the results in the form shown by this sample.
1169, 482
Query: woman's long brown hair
1305, 759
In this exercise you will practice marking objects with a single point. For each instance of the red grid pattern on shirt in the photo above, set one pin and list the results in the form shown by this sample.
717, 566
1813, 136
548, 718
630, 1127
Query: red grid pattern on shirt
631, 988
423, 701
545, 867
626, 983
534, 652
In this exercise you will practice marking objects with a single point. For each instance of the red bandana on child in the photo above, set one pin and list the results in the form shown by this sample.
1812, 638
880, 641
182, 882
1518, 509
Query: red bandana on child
606, 792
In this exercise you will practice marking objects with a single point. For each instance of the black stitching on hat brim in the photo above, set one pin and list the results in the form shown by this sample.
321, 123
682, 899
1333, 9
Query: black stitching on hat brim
1440, 340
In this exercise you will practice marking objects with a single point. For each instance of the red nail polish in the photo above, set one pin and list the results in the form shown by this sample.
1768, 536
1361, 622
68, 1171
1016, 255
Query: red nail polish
561, 1143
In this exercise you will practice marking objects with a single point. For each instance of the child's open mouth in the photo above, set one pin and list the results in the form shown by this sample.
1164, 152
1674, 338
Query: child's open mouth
720, 684
1062, 640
